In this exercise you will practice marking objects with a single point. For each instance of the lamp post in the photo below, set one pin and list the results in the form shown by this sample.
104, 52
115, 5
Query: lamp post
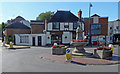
90, 5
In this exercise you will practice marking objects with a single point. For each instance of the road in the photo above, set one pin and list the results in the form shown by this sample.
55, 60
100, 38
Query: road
28, 60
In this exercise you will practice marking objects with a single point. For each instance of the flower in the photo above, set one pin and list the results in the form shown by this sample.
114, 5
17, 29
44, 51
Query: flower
104, 48
74, 40
58, 46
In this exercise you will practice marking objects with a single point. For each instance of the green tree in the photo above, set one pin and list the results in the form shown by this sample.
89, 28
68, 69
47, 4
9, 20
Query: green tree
3, 25
44, 16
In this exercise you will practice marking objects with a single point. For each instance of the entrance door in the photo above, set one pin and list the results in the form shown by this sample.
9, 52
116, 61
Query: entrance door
33, 41
39, 41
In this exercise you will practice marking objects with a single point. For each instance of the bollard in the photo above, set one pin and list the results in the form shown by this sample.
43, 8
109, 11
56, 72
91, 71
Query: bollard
11, 45
68, 55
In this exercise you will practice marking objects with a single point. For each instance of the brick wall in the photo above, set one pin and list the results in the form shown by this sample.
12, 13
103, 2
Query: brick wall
9, 32
37, 28
102, 21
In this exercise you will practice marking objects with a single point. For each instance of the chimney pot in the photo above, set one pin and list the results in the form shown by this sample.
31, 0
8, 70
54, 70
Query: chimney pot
80, 14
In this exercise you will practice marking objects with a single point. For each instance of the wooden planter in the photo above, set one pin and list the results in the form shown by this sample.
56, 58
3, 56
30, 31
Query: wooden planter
103, 54
59, 51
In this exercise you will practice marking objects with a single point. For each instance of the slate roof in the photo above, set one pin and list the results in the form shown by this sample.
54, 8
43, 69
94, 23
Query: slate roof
63, 16
36, 22
95, 15
17, 25
19, 17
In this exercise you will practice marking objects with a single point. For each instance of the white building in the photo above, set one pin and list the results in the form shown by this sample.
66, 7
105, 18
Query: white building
113, 28
61, 29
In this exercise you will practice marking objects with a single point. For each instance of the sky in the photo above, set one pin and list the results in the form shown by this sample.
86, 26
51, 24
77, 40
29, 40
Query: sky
30, 10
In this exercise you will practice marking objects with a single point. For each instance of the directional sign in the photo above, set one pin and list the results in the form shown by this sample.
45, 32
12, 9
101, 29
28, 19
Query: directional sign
68, 51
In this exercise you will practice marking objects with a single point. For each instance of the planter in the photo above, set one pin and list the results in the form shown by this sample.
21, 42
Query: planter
59, 51
79, 46
103, 54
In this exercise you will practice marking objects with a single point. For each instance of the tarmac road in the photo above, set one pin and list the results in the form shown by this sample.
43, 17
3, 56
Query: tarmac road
28, 60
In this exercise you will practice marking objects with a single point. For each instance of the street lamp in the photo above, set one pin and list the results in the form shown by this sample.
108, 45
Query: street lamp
90, 5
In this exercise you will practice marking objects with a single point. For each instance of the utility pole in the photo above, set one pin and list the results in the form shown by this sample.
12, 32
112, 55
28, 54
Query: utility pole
90, 5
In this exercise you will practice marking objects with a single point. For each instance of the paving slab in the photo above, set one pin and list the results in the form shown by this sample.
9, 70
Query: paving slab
82, 60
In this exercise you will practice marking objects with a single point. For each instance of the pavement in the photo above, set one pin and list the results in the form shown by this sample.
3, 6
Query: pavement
82, 59
7, 46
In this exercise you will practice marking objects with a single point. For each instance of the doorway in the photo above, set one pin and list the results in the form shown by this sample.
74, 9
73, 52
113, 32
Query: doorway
33, 41
39, 41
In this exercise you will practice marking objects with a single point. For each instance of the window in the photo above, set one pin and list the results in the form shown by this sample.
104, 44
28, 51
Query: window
110, 27
24, 39
95, 19
95, 29
75, 25
66, 26
56, 25
117, 27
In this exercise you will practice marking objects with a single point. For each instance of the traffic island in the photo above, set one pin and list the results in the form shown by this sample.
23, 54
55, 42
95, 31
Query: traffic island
82, 60
15, 47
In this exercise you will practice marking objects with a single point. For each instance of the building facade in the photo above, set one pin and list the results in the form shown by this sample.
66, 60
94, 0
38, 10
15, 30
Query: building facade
113, 28
37, 27
99, 28
15, 28
60, 29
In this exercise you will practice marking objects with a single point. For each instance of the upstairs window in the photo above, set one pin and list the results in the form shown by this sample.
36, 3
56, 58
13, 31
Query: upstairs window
56, 25
95, 29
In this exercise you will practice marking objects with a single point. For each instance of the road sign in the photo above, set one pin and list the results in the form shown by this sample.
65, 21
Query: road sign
68, 51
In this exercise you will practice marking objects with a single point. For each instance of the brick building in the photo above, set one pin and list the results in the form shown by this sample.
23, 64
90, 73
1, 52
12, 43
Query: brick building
37, 26
99, 28
16, 28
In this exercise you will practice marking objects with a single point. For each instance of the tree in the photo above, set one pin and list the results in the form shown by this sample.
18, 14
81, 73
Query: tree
44, 16
3, 25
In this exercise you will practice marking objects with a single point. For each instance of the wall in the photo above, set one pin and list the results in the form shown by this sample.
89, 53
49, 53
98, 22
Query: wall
68, 39
16, 31
48, 40
104, 25
43, 36
37, 28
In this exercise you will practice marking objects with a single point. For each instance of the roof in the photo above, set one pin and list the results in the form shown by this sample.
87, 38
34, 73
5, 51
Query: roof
118, 20
95, 15
36, 22
17, 25
19, 17
63, 16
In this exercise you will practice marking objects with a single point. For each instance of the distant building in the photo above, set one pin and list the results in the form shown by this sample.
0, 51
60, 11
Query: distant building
37, 27
60, 28
16, 28
113, 28
99, 28
19, 19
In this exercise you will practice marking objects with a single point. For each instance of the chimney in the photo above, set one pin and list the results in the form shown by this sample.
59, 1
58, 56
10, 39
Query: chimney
45, 24
80, 14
